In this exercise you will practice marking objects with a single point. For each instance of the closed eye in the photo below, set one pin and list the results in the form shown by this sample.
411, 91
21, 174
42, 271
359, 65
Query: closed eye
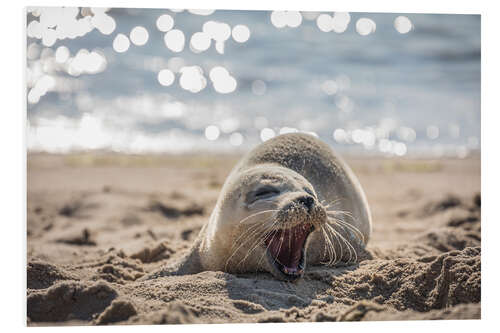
265, 193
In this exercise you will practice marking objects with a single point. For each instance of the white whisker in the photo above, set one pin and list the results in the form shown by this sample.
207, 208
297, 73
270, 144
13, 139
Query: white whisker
349, 246
267, 247
256, 229
352, 228
265, 233
331, 248
328, 205
261, 212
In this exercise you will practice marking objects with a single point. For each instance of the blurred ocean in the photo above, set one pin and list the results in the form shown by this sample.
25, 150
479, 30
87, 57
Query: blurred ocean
185, 81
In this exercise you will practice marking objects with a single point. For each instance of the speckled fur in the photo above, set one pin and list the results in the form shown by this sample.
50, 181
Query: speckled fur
299, 161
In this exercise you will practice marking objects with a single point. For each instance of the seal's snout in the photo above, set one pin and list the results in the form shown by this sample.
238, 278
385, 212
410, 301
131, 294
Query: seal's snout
306, 201
286, 246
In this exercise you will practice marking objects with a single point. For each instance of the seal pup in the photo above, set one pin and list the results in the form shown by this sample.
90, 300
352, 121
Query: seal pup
289, 203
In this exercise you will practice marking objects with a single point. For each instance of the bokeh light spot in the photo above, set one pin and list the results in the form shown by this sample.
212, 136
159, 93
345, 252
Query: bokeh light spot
50, 16
121, 43
281, 19
86, 62
34, 29
33, 96
212, 132
202, 12
222, 81
139, 36
324, 23
267, 133
217, 72
218, 31
174, 40
200, 41
165, 23
103, 22
166, 77
403, 24
340, 135
293, 19
365, 26
192, 79
219, 46
399, 149
49, 37
340, 22
278, 19
241, 33
62, 54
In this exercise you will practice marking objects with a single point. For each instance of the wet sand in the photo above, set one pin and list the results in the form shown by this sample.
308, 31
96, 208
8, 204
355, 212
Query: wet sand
99, 222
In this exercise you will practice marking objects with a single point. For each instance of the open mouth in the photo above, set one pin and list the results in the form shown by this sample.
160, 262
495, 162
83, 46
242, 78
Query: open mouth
286, 250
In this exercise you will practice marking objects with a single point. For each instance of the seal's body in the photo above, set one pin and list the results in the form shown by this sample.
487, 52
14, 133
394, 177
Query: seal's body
289, 201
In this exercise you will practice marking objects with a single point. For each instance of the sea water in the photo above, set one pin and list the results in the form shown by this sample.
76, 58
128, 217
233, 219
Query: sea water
173, 81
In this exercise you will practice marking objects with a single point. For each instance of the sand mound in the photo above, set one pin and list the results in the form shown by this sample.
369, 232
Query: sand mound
156, 253
442, 269
69, 300
86, 256
173, 313
117, 311
41, 275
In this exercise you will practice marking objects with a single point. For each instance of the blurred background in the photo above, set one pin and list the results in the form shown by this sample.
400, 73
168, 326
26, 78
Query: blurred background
184, 81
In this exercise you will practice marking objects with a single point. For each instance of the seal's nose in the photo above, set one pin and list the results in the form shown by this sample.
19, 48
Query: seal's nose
307, 201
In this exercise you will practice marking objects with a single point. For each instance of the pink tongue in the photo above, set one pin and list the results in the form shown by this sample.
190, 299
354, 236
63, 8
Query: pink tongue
286, 246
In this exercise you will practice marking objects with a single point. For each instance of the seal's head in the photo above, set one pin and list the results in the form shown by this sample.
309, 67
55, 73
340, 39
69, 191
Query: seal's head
269, 212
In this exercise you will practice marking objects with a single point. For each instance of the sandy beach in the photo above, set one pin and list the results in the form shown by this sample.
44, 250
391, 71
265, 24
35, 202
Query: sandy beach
98, 222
